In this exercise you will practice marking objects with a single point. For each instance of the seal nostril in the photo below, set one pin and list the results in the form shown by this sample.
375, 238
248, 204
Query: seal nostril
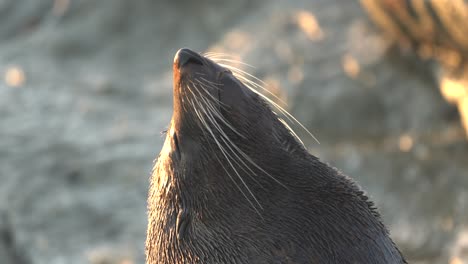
186, 56
194, 61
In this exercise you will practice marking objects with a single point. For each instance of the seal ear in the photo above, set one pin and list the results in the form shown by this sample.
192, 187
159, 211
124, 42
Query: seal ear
182, 223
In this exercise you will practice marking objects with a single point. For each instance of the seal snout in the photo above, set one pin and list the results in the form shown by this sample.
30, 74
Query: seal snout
185, 57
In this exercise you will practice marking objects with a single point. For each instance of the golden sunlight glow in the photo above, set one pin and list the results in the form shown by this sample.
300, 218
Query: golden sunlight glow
309, 25
126, 261
405, 143
456, 92
452, 89
14, 76
459, 248
350, 66
449, 57
236, 40
456, 260
296, 75
463, 109
273, 85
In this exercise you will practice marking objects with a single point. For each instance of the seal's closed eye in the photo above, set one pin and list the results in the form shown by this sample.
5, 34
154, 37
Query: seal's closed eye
222, 73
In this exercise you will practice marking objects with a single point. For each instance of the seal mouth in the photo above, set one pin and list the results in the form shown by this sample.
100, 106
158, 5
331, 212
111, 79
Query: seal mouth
198, 81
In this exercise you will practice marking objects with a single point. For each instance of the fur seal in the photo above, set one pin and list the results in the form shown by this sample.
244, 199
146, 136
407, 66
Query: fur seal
233, 184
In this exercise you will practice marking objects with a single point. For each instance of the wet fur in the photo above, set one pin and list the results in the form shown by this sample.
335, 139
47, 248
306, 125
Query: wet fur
197, 214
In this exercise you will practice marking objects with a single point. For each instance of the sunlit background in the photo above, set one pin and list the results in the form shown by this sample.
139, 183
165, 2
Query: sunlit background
86, 88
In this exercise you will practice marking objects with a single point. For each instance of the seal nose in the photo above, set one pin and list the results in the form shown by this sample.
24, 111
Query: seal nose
185, 56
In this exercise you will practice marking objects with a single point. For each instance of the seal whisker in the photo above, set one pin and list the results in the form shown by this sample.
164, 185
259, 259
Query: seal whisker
242, 153
217, 60
194, 107
213, 121
226, 140
223, 134
249, 159
224, 137
291, 130
226, 157
202, 88
213, 83
218, 114
283, 111
245, 76
212, 54
206, 85
191, 91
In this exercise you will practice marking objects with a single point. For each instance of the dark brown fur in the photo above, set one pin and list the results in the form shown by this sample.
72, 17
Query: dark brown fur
200, 211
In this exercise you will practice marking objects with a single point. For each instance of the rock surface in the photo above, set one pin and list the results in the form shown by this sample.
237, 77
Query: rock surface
87, 88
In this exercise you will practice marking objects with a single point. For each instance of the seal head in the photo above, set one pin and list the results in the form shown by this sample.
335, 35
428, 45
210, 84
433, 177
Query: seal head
233, 184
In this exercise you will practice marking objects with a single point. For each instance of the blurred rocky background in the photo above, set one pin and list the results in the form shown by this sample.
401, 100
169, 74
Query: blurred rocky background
86, 89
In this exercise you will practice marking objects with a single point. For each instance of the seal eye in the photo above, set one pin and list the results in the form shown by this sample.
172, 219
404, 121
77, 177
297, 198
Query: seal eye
221, 73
